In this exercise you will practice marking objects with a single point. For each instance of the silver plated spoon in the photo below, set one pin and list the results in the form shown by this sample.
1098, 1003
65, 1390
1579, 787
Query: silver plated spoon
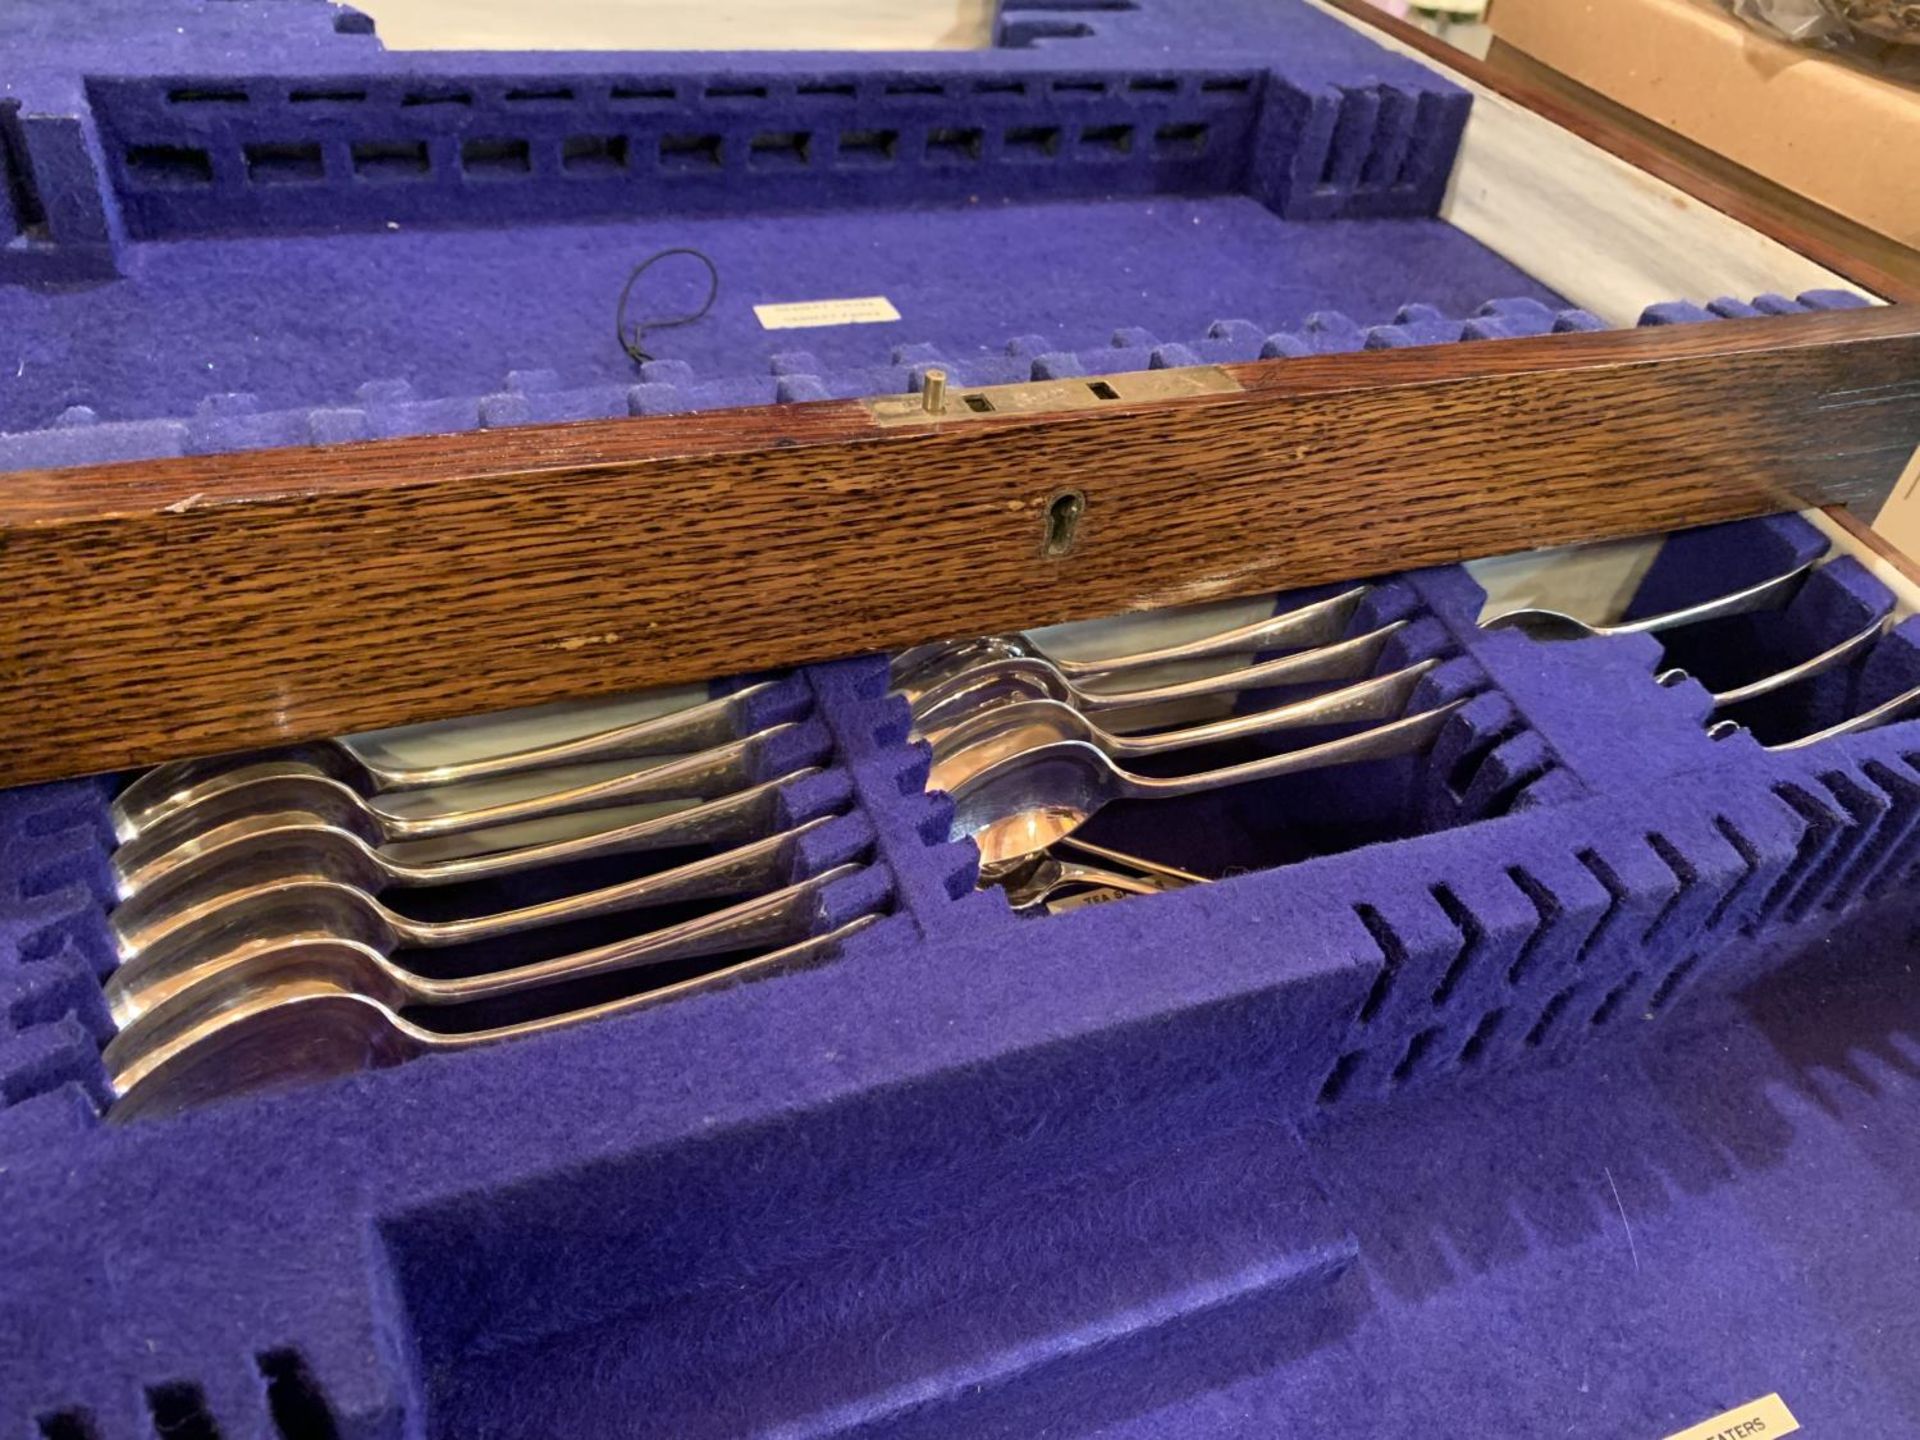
702, 775
779, 917
964, 695
918, 669
358, 763
1007, 729
1542, 624
193, 942
1028, 801
310, 1025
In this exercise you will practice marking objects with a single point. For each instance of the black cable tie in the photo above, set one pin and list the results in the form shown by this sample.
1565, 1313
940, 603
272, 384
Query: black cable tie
630, 336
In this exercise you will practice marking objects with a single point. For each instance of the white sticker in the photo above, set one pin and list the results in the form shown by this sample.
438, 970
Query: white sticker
807, 314
1761, 1419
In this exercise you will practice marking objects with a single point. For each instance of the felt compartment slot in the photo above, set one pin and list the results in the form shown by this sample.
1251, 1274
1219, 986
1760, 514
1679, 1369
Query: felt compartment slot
1497, 969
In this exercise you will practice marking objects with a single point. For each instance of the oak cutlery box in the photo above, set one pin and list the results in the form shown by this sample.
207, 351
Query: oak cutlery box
1562, 1078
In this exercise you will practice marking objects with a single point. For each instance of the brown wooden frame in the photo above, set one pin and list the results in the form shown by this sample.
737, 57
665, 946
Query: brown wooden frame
191, 606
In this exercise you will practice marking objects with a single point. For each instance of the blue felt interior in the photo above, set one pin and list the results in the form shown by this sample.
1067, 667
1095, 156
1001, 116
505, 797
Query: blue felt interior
1374, 1128
250, 227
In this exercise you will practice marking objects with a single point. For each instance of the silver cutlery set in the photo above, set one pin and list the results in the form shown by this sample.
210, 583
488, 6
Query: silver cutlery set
1767, 595
1031, 742
260, 938
279, 915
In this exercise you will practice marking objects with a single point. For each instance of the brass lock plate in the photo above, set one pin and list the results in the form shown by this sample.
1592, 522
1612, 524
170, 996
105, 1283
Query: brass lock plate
940, 404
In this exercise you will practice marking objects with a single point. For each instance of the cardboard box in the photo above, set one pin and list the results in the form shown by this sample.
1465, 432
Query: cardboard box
1822, 125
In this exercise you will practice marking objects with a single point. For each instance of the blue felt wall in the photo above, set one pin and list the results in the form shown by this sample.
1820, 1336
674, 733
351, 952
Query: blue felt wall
1488, 1084
759, 1211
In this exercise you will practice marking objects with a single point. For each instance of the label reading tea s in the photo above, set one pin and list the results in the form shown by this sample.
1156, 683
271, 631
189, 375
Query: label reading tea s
810, 314
1760, 1419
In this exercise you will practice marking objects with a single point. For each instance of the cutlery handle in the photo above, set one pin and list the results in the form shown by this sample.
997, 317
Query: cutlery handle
1767, 595
812, 947
739, 816
732, 872
697, 727
1135, 862
1380, 698
782, 916
696, 776
1346, 660
1826, 660
1320, 623
1885, 713
1400, 737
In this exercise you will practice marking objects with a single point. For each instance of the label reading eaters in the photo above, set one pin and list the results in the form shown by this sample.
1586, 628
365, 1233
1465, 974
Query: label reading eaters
1760, 1419
810, 314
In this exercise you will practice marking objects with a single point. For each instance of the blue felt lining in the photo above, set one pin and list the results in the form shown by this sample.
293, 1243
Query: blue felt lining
1298, 1150
1060, 1058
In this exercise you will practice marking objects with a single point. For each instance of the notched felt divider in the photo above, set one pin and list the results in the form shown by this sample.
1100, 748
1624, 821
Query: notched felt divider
936, 1112
1673, 1185
1534, 929
1857, 797
1488, 965
934, 876
386, 409
142, 127
54, 945
1150, 94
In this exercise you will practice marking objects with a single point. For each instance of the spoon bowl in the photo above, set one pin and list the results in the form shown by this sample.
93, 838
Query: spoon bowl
1551, 626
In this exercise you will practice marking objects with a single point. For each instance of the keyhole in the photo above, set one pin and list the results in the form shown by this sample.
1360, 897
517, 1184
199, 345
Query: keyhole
1063, 521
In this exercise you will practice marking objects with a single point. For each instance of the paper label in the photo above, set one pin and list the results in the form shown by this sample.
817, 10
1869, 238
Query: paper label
1081, 899
807, 314
1760, 1419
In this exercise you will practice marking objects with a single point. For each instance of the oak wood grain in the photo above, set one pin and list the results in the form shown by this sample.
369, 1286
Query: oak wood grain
198, 605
